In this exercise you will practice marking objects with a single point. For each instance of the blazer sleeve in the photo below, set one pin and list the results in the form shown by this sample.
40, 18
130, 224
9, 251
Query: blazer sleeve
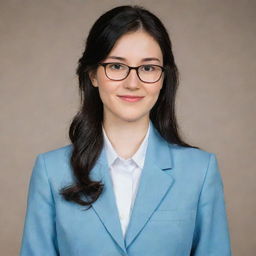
39, 233
211, 236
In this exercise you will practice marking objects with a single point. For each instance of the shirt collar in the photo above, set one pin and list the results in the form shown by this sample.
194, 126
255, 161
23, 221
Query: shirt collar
138, 157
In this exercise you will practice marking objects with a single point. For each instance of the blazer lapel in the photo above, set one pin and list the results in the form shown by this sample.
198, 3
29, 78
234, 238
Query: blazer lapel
105, 206
153, 186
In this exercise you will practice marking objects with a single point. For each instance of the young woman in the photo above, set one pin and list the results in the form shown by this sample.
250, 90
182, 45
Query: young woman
127, 184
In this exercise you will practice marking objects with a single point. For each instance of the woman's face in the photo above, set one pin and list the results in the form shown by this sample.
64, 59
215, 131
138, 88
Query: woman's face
131, 49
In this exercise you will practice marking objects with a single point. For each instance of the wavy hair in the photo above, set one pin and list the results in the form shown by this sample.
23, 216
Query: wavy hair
85, 131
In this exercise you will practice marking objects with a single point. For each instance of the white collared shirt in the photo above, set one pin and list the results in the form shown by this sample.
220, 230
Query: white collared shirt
125, 175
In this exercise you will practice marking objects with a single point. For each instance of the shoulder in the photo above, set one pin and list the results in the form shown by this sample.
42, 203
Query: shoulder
189, 151
57, 154
192, 157
57, 161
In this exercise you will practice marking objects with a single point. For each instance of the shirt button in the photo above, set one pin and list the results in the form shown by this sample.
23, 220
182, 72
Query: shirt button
121, 216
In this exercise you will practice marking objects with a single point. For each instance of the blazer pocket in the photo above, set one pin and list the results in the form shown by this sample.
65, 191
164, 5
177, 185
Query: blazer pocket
173, 215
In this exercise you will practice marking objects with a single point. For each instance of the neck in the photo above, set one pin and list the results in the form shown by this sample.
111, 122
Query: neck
126, 137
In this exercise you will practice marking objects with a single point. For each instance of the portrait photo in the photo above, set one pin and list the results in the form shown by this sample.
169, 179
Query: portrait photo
128, 128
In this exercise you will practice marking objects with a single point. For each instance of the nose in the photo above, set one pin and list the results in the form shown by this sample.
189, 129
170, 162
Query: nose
132, 81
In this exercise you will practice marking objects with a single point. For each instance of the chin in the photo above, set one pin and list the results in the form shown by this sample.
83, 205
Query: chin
132, 118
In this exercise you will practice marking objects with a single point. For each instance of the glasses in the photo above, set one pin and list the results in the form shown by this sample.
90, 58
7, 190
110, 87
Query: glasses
147, 73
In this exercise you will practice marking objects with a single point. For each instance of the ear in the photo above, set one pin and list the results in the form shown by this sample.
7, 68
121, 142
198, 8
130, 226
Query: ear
93, 78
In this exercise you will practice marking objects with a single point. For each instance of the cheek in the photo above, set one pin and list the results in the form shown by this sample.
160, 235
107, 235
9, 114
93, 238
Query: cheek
106, 91
154, 92
155, 98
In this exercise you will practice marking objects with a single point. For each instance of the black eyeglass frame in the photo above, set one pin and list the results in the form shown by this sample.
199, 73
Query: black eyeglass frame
104, 64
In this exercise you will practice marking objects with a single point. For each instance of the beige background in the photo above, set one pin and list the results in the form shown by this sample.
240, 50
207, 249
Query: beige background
215, 49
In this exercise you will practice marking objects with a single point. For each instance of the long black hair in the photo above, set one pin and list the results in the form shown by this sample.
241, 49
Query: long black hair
85, 131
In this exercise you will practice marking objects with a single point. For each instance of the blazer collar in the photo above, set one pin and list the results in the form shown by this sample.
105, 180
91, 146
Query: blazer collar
155, 182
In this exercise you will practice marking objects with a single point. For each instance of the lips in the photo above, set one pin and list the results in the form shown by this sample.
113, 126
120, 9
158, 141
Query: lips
130, 98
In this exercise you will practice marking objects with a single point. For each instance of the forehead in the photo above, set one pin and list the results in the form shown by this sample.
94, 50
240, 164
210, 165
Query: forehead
135, 46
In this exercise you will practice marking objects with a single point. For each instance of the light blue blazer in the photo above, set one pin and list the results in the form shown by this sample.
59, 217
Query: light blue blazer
179, 209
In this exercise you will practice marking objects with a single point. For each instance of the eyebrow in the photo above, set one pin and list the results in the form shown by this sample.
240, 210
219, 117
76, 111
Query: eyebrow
124, 59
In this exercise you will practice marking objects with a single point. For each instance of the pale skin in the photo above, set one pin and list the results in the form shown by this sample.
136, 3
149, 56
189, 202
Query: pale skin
126, 123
